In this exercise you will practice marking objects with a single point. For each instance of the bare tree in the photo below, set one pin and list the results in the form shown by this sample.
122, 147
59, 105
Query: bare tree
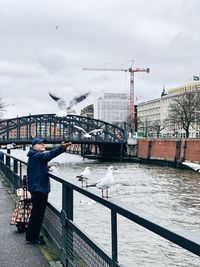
183, 110
158, 127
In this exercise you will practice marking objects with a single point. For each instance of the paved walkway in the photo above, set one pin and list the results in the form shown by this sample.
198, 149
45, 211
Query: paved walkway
14, 252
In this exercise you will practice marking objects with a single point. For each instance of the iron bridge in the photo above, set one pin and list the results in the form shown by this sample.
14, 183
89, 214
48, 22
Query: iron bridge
21, 130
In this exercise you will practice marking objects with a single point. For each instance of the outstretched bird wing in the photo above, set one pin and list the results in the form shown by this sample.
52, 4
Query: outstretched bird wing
60, 101
79, 128
78, 99
96, 131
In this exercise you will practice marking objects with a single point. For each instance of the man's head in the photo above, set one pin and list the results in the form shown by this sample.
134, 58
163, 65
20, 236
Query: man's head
39, 144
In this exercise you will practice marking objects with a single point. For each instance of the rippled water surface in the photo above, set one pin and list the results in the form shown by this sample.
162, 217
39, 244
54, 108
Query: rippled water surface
169, 194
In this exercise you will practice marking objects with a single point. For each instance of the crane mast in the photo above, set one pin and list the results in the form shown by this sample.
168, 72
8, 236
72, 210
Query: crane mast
131, 71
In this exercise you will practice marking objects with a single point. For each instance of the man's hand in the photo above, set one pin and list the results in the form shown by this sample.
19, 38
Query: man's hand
65, 145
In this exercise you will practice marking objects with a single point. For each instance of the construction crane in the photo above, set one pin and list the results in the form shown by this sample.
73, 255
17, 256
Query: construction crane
131, 71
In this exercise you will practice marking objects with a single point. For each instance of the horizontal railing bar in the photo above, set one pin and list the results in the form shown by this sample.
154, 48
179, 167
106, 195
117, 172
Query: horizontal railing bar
10, 156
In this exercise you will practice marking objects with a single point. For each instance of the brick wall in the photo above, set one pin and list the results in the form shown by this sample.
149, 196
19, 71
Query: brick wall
143, 148
192, 152
164, 150
170, 150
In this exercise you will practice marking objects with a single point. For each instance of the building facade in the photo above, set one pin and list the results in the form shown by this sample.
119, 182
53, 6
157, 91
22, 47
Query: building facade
152, 114
88, 111
112, 108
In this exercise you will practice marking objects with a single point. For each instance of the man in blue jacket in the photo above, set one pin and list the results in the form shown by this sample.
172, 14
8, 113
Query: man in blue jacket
39, 185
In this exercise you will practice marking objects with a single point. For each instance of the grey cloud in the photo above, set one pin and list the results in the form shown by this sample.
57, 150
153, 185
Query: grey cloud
45, 45
53, 62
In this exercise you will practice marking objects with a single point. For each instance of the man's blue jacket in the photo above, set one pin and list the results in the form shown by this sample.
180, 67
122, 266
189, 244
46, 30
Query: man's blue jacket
37, 169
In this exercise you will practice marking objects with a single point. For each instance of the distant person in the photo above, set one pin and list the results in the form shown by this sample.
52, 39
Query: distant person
39, 185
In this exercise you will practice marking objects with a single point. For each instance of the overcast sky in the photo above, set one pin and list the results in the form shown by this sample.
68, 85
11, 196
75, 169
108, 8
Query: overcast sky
44, 44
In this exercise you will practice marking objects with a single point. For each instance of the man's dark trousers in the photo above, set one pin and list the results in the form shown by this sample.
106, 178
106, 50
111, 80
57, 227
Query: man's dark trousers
39, 202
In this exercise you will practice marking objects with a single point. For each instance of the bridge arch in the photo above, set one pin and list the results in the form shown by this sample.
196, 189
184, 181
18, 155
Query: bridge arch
55, 129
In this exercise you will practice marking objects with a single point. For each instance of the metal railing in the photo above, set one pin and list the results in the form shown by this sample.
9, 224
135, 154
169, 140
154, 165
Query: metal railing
73, 245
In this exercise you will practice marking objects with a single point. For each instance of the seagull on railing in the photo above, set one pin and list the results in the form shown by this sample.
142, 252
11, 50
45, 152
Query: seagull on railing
84, 176
67, 109
89, 134
106, 182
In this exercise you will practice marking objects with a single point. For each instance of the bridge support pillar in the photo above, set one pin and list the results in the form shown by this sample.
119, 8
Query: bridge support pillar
83, 150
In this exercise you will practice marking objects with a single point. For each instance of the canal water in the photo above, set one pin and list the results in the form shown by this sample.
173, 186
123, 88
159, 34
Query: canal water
169, 194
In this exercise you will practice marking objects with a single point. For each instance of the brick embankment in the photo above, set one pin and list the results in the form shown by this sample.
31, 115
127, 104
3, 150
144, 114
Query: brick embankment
174, 150
14, 252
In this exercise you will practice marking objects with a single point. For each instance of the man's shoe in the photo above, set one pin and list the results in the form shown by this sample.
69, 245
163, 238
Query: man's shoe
39, 241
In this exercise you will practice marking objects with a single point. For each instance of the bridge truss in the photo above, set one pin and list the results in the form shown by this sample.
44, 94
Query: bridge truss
56, 129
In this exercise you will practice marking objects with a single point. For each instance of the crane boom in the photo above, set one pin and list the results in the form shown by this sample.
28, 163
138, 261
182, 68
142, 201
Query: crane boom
126, 70
106, 69
132, 71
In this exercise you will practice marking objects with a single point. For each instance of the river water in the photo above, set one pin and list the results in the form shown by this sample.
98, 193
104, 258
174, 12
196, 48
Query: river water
169, 194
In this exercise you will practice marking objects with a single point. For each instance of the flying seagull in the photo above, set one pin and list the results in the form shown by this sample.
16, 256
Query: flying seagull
67, 109
106, 182
89, 134
84, 175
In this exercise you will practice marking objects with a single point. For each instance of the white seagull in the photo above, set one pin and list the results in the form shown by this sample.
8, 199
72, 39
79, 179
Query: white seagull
67, 109
84, 175
89, 134
106, 182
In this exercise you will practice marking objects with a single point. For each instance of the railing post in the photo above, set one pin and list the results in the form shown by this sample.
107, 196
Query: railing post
17, 182
8, 158
20, 170
114, 238
67, 214
15, 166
